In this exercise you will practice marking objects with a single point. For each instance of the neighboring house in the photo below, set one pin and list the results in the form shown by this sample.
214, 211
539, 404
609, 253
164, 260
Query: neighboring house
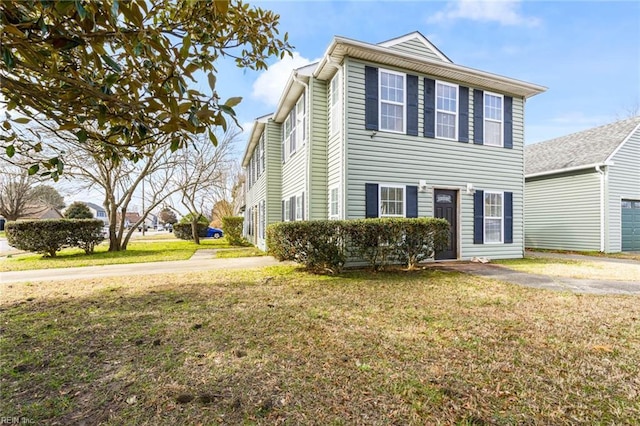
99, 212
39, 212
394, 130
130, 218
583, 190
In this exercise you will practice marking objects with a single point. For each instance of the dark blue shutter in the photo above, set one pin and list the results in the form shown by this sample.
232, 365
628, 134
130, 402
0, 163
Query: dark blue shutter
508, 122
282, 214
371, 98
371, 200
463, 114
478, 116
429, 108
412, 105
508, 217
292, 208
412, 201
478, 217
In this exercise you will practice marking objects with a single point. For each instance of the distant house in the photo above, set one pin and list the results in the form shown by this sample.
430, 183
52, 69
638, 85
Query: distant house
394, 129
40, 212
582, 191
99, 212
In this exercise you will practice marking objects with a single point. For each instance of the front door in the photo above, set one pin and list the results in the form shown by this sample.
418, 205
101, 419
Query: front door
445, 206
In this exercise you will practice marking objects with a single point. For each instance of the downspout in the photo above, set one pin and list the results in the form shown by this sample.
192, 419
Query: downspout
307, 197
603, 175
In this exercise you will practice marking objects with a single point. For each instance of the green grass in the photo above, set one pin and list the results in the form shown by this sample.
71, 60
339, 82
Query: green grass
137, 252
279, 346
239, 252
571, 268
621, 255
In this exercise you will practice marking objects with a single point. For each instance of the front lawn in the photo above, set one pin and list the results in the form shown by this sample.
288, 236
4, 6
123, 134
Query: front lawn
137, 252
570, 268
279, 346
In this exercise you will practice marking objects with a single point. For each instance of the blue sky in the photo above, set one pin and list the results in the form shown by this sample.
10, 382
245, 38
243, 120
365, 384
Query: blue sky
586, 53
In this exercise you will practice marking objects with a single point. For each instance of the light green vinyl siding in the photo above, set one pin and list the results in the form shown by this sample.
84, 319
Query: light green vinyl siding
416, 47
335, 152
294, 173
563, 212
624, 183
317, 199
274, 172
401, 159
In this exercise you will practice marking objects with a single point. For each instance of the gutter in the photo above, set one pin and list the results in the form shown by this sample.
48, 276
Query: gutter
603, 177
566, 170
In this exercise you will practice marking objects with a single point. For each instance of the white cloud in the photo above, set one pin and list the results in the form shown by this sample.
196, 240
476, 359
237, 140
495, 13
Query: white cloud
269, 85
505, 12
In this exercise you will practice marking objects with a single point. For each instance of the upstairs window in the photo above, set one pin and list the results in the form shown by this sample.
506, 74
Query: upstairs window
261, 155
493, 119
334, 96
301, 120
446, 111
392, 101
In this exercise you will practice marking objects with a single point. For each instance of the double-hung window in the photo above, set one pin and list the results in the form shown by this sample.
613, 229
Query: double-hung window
299, 207
334, 96
334, 211
301, 120
493, 119
392, 201
446, 111
262, 154
493, 217
287, 210
392, 101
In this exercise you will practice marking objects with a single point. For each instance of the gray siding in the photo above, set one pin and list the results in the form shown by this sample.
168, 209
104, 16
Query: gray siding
401, 159
624, 183
416, 47
335, 158
563, 212
317, 199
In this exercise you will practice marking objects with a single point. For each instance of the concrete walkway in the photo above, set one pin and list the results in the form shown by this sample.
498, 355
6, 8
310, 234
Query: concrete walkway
203, 261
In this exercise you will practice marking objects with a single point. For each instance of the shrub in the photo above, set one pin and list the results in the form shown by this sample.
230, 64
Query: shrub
232, 228
189, 217
78, 210
50, 236
183, 230
319, 244
326, 245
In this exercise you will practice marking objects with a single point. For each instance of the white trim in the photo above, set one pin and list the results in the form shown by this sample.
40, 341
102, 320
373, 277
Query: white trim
335, 105
337, 215
485, 119
404, 199
484, 217
615, 151
455, 114
403, 104
566, 170
299, 214
421, 38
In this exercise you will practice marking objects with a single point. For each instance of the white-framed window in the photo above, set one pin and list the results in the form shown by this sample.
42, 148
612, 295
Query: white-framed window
287, 210
392, 201
262, 220
288, 131
334, 203
334, 96
493, 119
446, 111
299, 207
393, 100
301, 120
261, 150
493, 217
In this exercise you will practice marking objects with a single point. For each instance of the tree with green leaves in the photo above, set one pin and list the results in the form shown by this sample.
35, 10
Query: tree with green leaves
78, 210
116, 74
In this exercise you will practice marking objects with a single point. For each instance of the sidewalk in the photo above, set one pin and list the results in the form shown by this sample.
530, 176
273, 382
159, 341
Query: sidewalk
203, 261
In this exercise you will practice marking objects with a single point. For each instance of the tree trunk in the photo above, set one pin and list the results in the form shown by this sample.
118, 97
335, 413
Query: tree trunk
194, 231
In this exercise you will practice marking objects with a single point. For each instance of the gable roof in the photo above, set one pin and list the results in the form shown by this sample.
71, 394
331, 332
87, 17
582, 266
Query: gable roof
577, 151
407, 42
94, 206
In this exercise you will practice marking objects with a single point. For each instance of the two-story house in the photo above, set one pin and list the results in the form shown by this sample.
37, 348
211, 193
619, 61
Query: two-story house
394, 129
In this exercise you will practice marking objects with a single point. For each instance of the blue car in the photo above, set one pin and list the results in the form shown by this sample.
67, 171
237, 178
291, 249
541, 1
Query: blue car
214, 233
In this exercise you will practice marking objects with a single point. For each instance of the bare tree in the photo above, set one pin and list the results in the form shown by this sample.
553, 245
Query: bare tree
203, 171
16, 195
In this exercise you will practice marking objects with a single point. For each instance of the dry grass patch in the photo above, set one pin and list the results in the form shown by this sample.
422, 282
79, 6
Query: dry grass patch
570, 268
279, 346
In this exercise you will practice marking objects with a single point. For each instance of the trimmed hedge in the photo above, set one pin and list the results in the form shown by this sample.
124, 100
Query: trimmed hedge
183, 230
232, 228
326, 245
52, 235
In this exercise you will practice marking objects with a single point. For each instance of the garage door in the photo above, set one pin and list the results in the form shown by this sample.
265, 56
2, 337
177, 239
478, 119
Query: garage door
630, 225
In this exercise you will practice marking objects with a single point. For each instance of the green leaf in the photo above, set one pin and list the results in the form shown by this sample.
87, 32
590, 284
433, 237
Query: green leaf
11, 151
8, 59
213, 138
226, 109
22, 120
113, 64
212, 81
33, 169
82, 13
82, 136
231, 102
186, 45
175, 144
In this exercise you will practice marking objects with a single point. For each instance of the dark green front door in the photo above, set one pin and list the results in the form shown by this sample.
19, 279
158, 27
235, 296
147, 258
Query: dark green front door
630, 225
